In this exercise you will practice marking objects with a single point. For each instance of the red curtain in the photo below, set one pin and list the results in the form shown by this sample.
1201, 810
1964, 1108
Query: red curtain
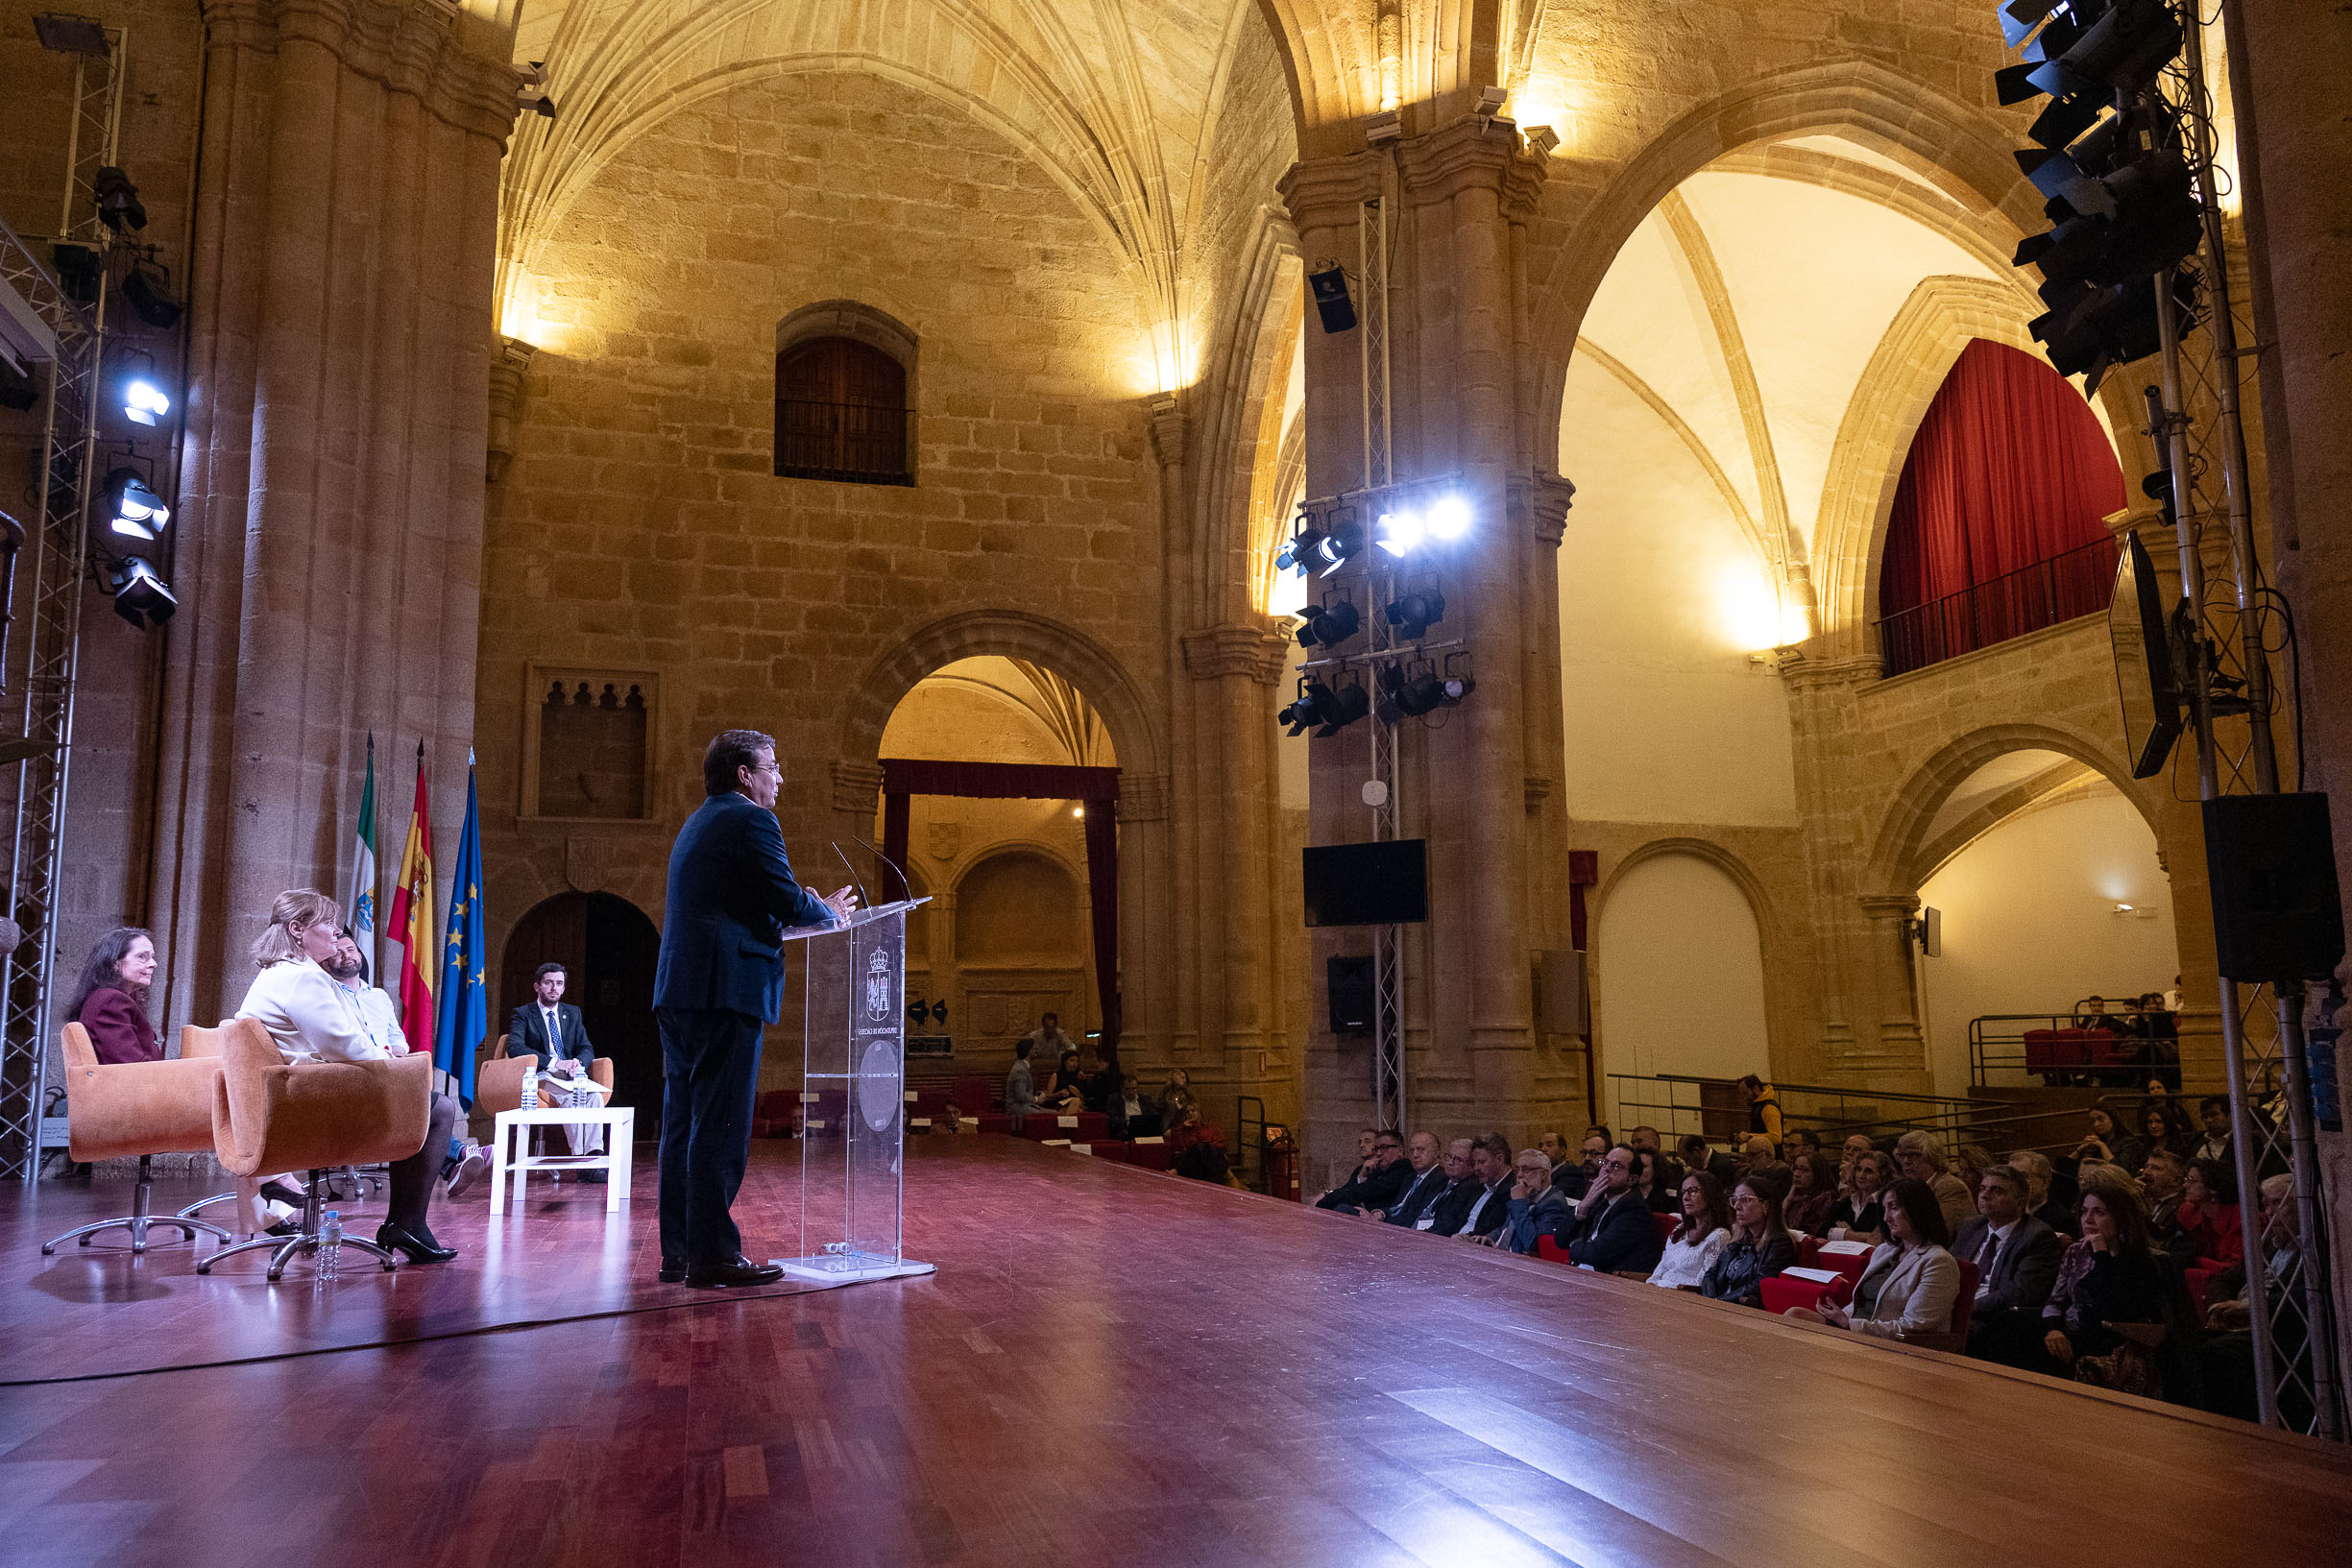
1998, 525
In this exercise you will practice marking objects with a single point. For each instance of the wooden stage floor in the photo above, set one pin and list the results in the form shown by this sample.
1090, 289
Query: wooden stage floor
1111, 1367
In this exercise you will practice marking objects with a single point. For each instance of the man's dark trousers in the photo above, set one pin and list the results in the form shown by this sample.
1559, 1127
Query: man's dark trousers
710, 1071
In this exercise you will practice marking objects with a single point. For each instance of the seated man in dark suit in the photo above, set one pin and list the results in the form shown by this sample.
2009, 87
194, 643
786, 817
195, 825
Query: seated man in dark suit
2017, 1260
1610, 1228
1377, 1187
1463, 1189
1421, 1187
1571, 1179
549, 1029
1491, 1164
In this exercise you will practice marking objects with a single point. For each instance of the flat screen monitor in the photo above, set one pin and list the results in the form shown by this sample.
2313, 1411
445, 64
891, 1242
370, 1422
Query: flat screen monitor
1386, 884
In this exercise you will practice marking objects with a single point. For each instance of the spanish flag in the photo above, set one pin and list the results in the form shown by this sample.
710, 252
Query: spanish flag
412, 922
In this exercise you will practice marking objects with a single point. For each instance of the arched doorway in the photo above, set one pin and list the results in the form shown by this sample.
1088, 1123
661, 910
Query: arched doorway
610, 948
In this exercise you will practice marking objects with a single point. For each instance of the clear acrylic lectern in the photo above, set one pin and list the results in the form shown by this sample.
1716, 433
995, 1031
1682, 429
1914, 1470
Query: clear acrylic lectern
850, 1169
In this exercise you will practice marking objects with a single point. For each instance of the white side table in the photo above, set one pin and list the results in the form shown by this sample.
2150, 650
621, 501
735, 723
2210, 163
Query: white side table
509, 1146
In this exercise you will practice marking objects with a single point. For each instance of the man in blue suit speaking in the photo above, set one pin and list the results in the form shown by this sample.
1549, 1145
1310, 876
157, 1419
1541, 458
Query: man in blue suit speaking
720, 979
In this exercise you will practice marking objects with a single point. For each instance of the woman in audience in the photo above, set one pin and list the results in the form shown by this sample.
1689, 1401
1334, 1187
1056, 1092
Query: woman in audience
2209, 1212
2166, 1128
2107, 1141
1758, 1247
1812, 1193
1707, 1224
1859, 1214
1064, 1092
110, 998
1650, 1182
1912, 1280
1175, 1099
2110, 1276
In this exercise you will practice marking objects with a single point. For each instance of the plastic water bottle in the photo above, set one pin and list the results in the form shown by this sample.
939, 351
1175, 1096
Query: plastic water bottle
330, 1244
530, 1089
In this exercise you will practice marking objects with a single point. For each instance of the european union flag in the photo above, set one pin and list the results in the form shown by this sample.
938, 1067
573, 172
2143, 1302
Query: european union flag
464, 1021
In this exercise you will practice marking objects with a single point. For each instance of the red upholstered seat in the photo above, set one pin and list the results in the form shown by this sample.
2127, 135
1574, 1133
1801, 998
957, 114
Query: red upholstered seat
1151, 1156
974, 1096
1667, 1225
1112, 1148
1781, 1292
1962, 1308
990, 1122
1550, 1250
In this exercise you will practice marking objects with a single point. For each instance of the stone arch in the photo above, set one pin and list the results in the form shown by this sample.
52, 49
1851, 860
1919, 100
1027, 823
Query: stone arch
1958, 147
1094, 670
1890, 400
1714, 853
1897, 866
1030, 850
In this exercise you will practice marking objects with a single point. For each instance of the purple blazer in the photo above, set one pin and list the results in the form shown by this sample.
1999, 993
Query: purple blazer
118, 1028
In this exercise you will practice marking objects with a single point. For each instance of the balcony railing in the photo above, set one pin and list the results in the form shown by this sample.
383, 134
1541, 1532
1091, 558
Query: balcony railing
2076, 582
852, 442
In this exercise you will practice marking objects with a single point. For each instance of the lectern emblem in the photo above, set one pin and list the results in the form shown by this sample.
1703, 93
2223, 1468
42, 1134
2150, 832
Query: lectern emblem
878, 986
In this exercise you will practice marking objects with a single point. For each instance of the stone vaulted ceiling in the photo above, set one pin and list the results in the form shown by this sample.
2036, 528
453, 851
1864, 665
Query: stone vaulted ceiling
1118, 99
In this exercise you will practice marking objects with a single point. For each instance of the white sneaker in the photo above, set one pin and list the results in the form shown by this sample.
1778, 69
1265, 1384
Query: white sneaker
471, 1173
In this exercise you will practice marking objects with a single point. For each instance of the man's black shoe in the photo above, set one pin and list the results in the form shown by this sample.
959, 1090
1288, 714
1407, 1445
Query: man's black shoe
673, 1271
415, 1250
739, 1272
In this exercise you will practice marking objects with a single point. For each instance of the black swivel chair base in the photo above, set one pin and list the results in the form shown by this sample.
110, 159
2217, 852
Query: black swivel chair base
139, 1222
305, 1240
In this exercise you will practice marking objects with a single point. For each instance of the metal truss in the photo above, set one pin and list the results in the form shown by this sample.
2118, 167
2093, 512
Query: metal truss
2233, 612
1380, 788
38, 662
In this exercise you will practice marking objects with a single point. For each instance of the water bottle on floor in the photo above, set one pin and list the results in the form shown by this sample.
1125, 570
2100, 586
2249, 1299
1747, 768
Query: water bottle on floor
330, 1244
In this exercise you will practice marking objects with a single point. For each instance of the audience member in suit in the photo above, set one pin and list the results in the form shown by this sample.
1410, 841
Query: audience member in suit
2043, 1200
1612, 1229
1858, 1213
2017, 1259
550, 1029
1668, 1181
1919, 1156
1020, 1086
1759, 1248
1695, 1155
2164, 1181
1534, 1208
717, 982
1571, 1180
110, 998
1368, 1156
1427, 1179
1911, 1280
1372, 1186
1463, 1189
1126, 1106
1490, 1161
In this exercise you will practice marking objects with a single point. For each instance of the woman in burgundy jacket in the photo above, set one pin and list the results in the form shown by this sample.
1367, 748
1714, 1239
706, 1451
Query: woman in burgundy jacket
111, 1002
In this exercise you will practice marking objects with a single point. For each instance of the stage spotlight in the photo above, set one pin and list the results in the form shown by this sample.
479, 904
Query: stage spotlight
1341, 543
1414, 612
1340, 708
119, 201
1298, 714
1330, 624
148, 287
1450, 518
144, 399
1304, 550
1401, 532
140, 596
1329, 284
78, 268
134, 509
1457, 683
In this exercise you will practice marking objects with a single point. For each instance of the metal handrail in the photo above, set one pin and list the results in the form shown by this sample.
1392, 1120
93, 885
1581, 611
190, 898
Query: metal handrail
2039, 594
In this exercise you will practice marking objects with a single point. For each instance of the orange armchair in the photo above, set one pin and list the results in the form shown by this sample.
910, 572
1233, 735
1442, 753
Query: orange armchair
270, 1115
497, 1079
114, 1109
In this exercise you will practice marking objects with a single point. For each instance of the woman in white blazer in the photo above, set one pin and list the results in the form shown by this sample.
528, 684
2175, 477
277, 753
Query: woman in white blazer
1913, 1278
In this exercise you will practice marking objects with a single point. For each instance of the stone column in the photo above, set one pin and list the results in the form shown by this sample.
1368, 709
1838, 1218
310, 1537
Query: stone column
1184, 977
329, 554
2291, 81
1456, 352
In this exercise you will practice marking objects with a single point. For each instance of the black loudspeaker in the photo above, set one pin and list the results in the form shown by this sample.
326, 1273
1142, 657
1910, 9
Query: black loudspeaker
2271, 860
1350, 982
